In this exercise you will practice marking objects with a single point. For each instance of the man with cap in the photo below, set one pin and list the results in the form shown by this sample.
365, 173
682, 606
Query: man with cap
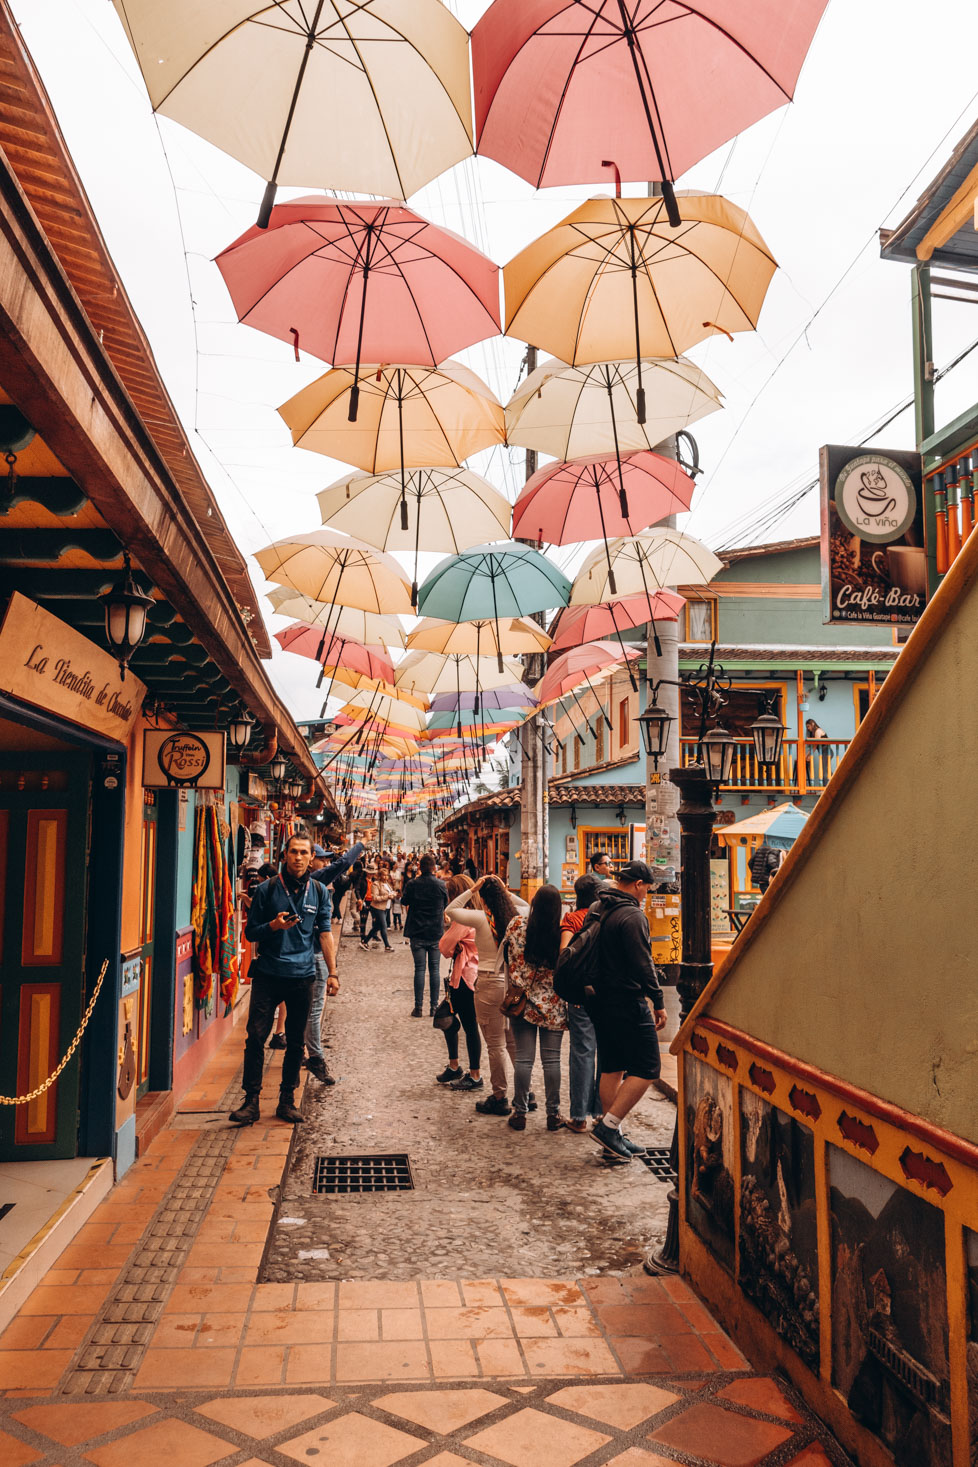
628, 1044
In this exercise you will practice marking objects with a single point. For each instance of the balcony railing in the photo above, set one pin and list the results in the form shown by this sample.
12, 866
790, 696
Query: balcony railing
806, 764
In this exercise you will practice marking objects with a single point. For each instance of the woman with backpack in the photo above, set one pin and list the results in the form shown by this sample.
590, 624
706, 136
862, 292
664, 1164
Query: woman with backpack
488, 909
531, 947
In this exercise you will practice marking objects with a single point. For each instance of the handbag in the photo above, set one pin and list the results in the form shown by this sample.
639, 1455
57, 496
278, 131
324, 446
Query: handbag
444, 1015
514, 1002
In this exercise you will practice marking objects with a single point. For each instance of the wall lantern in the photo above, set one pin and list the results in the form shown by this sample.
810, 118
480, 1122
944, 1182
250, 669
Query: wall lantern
717, 751
278, 770
655, 723
768, 735
126, 610
239, 731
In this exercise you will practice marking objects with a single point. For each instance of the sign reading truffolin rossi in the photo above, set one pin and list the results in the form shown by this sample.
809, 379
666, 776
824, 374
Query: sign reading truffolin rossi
874, 565
46, 663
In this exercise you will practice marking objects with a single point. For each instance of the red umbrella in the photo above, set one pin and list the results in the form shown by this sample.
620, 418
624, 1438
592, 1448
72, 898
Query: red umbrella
561, 87
574, 669
363, 281
332, 651
591, 498
577, 624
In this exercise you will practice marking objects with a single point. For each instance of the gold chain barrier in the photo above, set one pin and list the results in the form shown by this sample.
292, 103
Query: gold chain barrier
46, 1084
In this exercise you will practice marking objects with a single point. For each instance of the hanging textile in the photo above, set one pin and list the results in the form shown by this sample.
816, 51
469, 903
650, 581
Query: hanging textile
212, 915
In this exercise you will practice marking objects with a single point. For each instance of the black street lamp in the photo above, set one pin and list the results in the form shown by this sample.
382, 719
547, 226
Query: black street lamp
278, 770
768, 732
126, 609
655, 723
239, 731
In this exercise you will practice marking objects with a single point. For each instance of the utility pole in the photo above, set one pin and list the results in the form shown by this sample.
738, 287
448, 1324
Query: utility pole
661, 794
534, 807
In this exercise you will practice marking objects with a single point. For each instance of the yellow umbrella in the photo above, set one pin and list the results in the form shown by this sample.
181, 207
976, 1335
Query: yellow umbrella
615, 278
371, 96
408, 417
326, 566
396, 713
346, 621
517, 634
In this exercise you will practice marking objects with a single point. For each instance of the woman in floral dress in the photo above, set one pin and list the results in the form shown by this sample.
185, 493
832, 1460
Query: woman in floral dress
532, 943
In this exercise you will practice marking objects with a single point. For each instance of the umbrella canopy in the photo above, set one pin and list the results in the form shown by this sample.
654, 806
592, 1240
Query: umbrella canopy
395, 714
615, 277
575, 668
569, 412
496, 581
433, 672
474, 724
331, 650
780, 827
324, 566
409, 417
577, 624
560, 87
591, 497
644, 564
367, 98
515, 635
513, 695
365, 279
346, 621
432, 509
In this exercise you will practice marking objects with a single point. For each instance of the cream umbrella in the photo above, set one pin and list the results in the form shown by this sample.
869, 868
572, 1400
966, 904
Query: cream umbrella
516, 634
615, 276
644, 563
431, 509
368, 97
432, 673
397, 714
346, 621
326, 566
574, 412
408, 418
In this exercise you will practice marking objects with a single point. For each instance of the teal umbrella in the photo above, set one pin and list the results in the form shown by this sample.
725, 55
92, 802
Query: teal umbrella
493, 581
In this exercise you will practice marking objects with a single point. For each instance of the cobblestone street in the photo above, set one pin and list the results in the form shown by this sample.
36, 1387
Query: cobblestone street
487, 1201
497, 1314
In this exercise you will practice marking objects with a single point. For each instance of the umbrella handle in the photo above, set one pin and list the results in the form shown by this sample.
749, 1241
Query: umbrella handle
268, 198
351, 416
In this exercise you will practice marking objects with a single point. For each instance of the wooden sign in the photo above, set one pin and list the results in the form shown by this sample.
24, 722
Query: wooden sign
183, 759
46, 663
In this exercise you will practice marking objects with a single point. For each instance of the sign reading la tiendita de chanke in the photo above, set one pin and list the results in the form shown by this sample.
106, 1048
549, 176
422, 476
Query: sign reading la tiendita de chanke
874, 565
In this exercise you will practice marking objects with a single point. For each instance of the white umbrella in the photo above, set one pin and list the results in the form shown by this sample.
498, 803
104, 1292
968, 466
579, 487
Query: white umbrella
346, 621
644, 563
326, 566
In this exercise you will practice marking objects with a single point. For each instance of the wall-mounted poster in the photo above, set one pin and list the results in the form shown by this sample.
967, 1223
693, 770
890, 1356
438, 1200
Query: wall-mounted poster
889, 1312
874, 563
778, 1227
709, 1157
971, 1264
183, 759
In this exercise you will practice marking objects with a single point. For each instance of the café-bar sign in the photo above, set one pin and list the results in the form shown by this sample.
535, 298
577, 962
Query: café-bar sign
46, 663
183, 759
874, 564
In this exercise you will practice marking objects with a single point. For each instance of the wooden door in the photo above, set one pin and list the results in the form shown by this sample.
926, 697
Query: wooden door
147, 927
44, 811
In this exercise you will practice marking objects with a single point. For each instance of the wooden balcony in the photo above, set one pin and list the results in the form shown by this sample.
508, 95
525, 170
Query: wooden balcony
805, 765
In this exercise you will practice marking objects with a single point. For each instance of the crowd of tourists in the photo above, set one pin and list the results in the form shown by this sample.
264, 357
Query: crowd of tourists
507, 977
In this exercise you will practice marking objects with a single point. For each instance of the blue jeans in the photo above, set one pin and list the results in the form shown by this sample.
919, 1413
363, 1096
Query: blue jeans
582, 1066
379, 925
314, 1024
426, 953
525, 1036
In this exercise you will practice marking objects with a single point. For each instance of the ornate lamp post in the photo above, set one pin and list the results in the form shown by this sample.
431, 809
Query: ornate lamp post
126, 609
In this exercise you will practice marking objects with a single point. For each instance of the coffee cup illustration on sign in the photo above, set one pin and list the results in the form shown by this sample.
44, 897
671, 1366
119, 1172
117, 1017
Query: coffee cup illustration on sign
873, 496
905, 566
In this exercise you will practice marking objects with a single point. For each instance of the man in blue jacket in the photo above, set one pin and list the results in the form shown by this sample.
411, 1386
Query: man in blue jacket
289, 919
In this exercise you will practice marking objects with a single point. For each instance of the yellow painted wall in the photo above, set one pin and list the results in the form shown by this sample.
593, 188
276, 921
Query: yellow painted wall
866, 966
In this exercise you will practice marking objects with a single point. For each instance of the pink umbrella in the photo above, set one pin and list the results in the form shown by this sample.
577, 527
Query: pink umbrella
577, 624
333, 651
365, 281
561, 87
574, 669
591, 497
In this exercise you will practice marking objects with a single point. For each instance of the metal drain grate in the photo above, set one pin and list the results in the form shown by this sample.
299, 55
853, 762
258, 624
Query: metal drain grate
342, 1174
659, 1162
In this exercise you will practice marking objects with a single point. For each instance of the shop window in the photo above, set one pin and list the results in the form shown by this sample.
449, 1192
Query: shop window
701, 621
624, 724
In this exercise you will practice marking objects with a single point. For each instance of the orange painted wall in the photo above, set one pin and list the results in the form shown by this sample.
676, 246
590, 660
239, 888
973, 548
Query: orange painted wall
133, 827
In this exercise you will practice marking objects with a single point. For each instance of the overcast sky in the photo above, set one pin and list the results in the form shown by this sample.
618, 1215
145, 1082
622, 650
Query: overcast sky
887, 90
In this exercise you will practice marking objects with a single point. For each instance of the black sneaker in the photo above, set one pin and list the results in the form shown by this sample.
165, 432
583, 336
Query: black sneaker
467, 1083
492, 1106
247, 1112
416, 1014
317, 1066
633, 1146
286, 1110
448, 1075
277, 1041
611, 1140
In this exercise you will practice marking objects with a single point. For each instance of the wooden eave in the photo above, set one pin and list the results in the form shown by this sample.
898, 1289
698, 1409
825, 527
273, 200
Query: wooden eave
39, 159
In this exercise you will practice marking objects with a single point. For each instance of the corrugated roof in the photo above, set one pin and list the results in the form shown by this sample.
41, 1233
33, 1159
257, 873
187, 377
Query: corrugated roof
38, 155
960, 252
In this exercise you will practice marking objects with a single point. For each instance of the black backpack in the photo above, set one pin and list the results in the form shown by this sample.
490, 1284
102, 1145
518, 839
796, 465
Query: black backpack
577, 966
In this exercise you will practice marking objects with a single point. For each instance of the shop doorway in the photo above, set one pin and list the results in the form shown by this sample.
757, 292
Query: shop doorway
44, 830
147, 927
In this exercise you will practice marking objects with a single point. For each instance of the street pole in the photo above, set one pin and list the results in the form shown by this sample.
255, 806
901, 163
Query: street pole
534, 807
661, 792
697, 816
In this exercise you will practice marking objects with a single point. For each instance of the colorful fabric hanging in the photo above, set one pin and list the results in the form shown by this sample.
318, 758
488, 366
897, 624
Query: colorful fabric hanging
212, 915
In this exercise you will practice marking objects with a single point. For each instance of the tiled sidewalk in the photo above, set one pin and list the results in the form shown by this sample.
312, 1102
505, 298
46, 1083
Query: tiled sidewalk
214, 1367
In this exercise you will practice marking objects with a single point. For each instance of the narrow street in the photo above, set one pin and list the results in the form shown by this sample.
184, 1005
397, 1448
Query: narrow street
496, 1313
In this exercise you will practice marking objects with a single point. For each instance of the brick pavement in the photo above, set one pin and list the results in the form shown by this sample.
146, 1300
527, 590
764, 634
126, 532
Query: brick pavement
437, 1369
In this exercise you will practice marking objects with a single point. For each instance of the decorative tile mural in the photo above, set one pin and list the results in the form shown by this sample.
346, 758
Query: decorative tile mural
708, 1098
